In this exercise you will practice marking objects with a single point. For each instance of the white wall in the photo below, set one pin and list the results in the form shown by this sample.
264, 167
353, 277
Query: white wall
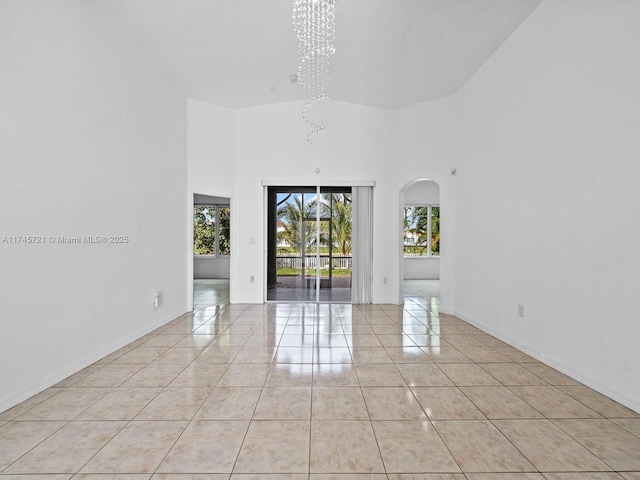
205, 267
421, 268
271, 145
425, 192
211, 173
93, 143
546, 145
210, 149
424, 147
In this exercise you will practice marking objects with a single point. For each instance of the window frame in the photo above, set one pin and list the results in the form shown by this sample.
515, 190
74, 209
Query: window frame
428, 253
216, 231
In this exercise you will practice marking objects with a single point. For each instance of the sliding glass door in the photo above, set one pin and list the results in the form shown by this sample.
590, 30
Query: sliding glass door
309, 244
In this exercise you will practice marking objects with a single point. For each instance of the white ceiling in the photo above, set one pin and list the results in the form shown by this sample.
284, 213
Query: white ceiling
389, 53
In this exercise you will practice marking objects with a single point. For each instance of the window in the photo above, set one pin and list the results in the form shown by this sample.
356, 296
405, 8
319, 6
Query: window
211, 230
422, 231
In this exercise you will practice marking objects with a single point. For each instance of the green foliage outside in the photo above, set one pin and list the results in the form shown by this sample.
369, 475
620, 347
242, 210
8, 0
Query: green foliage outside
224, 230
204, 236
338, 206
297, 220
416, 231
335, 206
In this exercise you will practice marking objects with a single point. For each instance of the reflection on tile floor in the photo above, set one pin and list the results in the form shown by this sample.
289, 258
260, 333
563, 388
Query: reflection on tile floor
210, 292
318, 392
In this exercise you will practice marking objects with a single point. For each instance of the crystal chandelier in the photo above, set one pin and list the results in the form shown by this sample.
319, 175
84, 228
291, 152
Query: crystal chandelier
314, 23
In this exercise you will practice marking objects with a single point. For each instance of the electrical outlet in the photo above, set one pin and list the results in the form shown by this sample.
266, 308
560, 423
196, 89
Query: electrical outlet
520, 310
384, 280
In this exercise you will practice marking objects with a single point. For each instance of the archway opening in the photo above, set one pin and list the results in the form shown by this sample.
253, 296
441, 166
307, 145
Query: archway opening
419, 247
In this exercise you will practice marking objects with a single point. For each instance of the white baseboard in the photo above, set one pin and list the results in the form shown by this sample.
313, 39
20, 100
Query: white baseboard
15, 398
632, 403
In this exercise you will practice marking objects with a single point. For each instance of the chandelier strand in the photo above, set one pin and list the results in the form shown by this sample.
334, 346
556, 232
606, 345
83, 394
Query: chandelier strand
314, 24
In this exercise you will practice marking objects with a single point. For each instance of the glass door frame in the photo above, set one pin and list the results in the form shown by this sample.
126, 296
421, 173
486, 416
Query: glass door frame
271, 202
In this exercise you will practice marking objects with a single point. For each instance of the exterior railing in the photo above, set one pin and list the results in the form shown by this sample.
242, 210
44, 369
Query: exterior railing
295, 261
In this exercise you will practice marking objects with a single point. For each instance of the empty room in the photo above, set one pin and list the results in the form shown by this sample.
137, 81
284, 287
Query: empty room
319, 239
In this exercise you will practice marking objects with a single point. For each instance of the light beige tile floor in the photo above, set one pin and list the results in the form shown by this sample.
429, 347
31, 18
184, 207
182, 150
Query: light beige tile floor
320, 392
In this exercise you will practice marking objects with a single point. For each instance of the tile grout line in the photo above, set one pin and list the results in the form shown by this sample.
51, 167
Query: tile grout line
251, 419
190, 421
384, 466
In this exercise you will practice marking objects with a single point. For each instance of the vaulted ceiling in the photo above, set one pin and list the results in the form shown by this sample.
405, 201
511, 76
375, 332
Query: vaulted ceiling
389, 53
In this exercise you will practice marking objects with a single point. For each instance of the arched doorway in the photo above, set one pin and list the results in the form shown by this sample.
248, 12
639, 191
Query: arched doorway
419, 249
